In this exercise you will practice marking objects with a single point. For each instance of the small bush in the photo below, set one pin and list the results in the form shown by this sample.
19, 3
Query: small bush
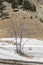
41, 20
28, 6
31, 17
38, 0
1, 1
24, 18
33, 8
36, 17
14, 4
19, 2
9, 1
25, 4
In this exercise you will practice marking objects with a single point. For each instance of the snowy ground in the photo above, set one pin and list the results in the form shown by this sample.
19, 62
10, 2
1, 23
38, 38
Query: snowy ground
30, 47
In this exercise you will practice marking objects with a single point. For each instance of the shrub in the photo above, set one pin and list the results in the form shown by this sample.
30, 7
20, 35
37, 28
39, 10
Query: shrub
24, 18
33, 8
9, 1
14, 4
1, 1
38, 0
31, 17
19, 2
41, 20
36, 17
28, 6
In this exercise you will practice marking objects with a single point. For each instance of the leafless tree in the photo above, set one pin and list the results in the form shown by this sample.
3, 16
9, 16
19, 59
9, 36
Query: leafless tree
18, 46
14, 34
21, 36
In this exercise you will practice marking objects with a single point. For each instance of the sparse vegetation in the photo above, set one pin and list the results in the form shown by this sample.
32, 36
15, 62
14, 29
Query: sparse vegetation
14, 4
9, 1
33, 8
24, 18
20, 2
31, 17
25, 4
2, 7
28, 6
36, 17
41, 20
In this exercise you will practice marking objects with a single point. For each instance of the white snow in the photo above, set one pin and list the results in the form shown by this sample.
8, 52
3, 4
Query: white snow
30, 47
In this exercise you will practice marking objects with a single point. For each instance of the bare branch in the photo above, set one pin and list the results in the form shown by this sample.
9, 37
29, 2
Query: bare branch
15, 34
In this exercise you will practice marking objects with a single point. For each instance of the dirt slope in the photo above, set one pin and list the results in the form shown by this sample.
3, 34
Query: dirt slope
32, 27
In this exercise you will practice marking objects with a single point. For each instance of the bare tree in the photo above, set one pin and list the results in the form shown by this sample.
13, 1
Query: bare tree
18, 46
15, 34
21, 36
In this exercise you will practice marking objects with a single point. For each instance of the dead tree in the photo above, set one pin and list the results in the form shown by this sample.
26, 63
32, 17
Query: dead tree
18, 46
15, 34
21, 36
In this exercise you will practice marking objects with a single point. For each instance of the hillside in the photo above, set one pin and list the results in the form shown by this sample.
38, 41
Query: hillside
30, 21
21, 32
